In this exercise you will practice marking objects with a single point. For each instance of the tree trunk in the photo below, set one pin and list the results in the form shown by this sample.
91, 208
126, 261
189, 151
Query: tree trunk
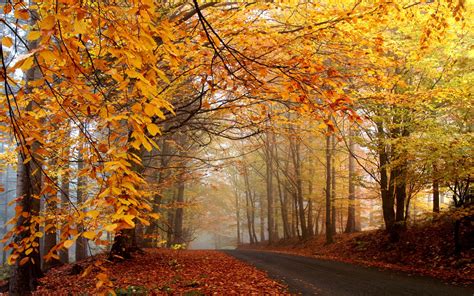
333, 185
310, 199
5, 212
401, 196
250, 208
170, 228
24, 277
269, 183
435, 190
283, 203
152, 231
249, 219
51, 206
237, 216
262, 218
124, 244
387, 197
310, 218
296, 157
179, 214
329, 233
351, 213
316, 223
125, 240
293, 216
65, 177
81, 242
254, 209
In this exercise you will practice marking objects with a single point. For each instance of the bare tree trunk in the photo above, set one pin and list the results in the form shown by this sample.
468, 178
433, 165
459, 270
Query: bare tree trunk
387, 196
269, 183
435, 190
250, 208
152, 231
275, 215
237, 215
262, 218
81, 242
329, 233
24, 277
310, 199
296, 157
310, 218
294, 218
51, 206
283, 200
351, 213
170, 221
249, 218
316, 223
333, 185
125, 240
65, 177
5, 211
253, 200
179, 214
398, 181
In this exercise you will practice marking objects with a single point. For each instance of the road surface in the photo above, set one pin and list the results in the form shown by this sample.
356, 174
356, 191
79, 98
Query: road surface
310, 276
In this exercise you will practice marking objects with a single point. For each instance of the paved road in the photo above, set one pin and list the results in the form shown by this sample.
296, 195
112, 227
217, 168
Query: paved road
310, 276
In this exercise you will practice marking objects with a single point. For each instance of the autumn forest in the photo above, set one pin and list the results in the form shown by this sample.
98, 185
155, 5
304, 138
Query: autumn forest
217, 147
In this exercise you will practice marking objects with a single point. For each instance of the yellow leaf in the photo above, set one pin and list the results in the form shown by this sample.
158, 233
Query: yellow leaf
154, 215
93, 214
12, 258
89, 234
48, 23
144, 222
48, 56
80, 27
147, 145
67, 244
129, 220
33, 35
27, 64
87, 271
110, 227
48, 227
27, 252
162, 75
7, 41
149, 110
39, 234
153, 129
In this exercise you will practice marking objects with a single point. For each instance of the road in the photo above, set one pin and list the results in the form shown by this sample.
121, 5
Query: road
310, 276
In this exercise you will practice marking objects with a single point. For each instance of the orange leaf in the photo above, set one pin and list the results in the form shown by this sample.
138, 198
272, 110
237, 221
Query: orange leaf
22, 14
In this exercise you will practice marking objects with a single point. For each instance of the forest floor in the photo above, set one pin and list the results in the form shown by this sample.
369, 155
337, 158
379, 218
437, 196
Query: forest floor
166, 272
426, 249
